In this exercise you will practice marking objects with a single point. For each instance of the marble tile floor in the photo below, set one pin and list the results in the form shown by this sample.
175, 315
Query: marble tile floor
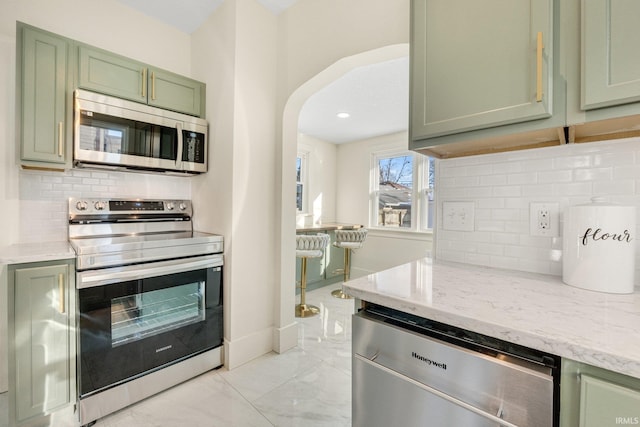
309, 385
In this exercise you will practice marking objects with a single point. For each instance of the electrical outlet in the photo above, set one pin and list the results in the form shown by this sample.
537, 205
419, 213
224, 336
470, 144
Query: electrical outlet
544, 219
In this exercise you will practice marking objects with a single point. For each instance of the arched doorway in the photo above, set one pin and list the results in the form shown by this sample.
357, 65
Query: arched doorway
285, 300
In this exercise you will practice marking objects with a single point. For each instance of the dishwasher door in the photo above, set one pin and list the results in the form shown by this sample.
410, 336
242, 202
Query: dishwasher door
403, 378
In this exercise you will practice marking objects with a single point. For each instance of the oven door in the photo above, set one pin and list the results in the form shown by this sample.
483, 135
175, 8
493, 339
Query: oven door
136, 319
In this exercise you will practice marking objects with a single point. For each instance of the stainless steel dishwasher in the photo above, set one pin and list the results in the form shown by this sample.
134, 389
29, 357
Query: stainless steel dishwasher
411, 371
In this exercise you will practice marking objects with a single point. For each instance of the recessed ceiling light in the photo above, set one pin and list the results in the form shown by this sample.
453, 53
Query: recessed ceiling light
343, 115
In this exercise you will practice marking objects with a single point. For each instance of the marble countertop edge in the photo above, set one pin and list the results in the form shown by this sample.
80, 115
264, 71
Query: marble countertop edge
21, 253
551, 336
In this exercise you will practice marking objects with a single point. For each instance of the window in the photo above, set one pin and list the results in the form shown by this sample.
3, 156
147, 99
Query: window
402, 191
301, 178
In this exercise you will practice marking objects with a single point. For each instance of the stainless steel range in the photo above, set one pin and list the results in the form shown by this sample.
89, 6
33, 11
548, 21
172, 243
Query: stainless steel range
149, 300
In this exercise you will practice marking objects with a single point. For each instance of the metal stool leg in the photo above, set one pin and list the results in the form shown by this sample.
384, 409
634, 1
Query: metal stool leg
302, 309
347, 270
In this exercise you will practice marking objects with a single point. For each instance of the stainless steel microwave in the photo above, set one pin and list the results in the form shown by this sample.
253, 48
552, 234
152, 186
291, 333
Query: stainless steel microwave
115, 133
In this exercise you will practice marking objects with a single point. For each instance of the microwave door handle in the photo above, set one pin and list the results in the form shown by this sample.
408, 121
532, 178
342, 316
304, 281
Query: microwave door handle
180, 143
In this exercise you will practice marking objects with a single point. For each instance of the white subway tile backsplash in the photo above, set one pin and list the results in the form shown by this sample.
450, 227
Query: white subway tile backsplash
593, 174
537, 190
507, 191
574, 189
489, 225
537, 165
626, 172
617, 159
555, 176
571, 162
522, 178
503, 185
467, 181
44, 196
493, 180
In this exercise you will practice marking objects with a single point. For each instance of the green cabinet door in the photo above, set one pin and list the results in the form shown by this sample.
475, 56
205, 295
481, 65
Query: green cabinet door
610, 61
42, 90
105, 72
479, 64
42, 351
596, 397
604, 403
112, 74
175, 92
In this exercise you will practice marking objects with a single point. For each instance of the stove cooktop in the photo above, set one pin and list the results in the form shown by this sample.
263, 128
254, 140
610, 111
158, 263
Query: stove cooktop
117, 232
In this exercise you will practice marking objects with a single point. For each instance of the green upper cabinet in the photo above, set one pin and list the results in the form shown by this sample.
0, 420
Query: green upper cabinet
105, 72
43, 79
479, 64
610, 61
115, 75
176, 92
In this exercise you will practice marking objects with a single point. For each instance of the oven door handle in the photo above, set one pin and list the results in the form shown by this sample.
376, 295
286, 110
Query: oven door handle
89, 279
424, 387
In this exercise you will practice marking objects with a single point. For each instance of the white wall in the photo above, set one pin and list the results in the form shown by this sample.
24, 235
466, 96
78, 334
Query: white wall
240, 71
321, 178
502, 185
383, 248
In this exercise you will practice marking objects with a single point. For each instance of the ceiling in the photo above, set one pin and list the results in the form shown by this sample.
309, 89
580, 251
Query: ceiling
375, 96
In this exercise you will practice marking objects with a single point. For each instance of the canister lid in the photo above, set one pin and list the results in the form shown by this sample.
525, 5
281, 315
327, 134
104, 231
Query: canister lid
601, 201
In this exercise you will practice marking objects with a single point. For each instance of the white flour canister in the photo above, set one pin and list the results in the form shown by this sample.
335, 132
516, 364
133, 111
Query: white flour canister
599, 247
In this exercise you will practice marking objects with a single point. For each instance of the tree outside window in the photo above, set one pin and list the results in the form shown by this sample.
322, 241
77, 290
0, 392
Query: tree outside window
402, 191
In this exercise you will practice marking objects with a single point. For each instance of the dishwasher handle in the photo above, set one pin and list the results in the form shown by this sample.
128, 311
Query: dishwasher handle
424, 387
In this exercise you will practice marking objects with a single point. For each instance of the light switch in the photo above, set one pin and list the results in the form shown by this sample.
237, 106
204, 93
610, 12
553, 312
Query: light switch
458, 216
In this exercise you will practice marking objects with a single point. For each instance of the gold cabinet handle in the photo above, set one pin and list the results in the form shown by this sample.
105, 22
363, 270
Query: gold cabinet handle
153, 86
61, 292
60, 139
539, 49
144, 82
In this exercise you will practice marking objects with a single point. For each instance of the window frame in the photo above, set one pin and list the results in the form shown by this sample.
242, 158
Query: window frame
422, 191
304, 182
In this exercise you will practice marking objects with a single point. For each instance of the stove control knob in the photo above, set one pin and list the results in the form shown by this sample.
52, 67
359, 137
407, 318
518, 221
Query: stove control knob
171, 206
82, 205
100, 205
182, 206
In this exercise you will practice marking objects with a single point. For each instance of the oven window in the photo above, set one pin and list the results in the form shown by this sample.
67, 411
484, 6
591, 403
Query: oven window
142, 315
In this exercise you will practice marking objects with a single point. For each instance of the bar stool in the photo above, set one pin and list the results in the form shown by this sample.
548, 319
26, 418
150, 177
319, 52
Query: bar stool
308, 246
348, 240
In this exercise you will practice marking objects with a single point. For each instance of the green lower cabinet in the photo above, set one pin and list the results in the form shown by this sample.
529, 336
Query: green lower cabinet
42, 344
595, 397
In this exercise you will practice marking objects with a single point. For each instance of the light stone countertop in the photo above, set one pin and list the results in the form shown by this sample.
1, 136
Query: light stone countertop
534, 310
36, 252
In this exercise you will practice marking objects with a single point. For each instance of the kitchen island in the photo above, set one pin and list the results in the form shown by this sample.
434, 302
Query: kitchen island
533, 310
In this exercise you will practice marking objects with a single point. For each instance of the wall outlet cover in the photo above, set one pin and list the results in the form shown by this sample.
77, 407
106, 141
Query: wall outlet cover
544, 219
458, 216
